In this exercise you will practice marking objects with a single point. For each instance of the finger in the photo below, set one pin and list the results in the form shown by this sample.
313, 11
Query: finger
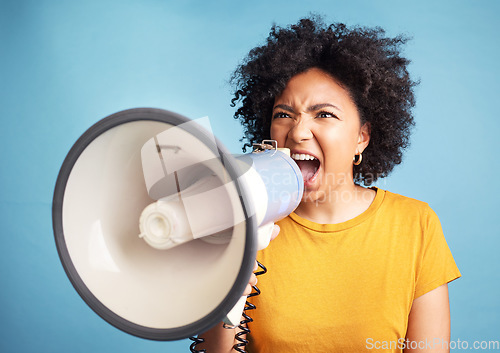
248, 290
251, 282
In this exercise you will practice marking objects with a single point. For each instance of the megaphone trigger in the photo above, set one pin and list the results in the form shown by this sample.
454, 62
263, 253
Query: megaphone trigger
264, 234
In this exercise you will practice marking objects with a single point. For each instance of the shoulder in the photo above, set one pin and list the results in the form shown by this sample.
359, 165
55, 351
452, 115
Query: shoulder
408, 207
402, 202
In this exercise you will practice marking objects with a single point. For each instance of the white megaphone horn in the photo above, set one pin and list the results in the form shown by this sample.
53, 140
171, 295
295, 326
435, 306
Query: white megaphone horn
157, 225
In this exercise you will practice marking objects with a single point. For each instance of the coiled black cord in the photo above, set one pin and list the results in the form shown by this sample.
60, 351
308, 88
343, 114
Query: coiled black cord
244, 330
243, 326
197, 340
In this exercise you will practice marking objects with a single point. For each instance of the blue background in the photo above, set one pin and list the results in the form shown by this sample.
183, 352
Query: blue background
67, 64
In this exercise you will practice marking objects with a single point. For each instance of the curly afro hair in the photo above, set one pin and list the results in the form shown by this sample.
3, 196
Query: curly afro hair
366, 63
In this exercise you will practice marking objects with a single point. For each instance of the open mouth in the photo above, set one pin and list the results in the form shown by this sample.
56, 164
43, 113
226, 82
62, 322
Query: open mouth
309, 165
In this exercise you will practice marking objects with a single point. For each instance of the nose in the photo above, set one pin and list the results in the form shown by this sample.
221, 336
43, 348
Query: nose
300, 132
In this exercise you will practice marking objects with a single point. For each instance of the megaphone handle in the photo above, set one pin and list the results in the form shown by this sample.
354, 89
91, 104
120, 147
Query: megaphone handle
232, 319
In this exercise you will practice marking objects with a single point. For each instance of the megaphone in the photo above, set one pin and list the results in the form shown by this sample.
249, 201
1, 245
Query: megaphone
157, 225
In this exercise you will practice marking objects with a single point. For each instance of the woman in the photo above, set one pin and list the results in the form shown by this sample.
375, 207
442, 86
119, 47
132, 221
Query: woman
354, 268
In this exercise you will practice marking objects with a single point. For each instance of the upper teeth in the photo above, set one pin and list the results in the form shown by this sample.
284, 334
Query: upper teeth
302, 157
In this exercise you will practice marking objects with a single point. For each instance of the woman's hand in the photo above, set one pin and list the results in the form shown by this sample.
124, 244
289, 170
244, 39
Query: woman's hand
220, 339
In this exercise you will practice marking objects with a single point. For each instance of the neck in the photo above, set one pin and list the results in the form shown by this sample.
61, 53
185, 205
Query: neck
341, 204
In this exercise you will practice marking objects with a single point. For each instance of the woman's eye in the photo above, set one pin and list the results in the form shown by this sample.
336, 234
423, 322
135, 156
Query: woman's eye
326, 115
280, 115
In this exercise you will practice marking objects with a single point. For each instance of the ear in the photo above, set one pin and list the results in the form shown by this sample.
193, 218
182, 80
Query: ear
363, 137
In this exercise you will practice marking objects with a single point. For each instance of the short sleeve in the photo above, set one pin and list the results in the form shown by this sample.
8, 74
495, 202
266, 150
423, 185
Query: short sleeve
437, 265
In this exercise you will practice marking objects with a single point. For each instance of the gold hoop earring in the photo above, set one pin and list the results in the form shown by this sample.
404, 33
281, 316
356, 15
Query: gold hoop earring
357, 162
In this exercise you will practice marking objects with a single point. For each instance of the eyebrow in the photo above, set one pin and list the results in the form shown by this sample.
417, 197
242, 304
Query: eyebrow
312, 108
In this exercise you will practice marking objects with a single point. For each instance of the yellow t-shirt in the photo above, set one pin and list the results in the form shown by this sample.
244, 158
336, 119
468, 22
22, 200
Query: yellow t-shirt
349, 287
